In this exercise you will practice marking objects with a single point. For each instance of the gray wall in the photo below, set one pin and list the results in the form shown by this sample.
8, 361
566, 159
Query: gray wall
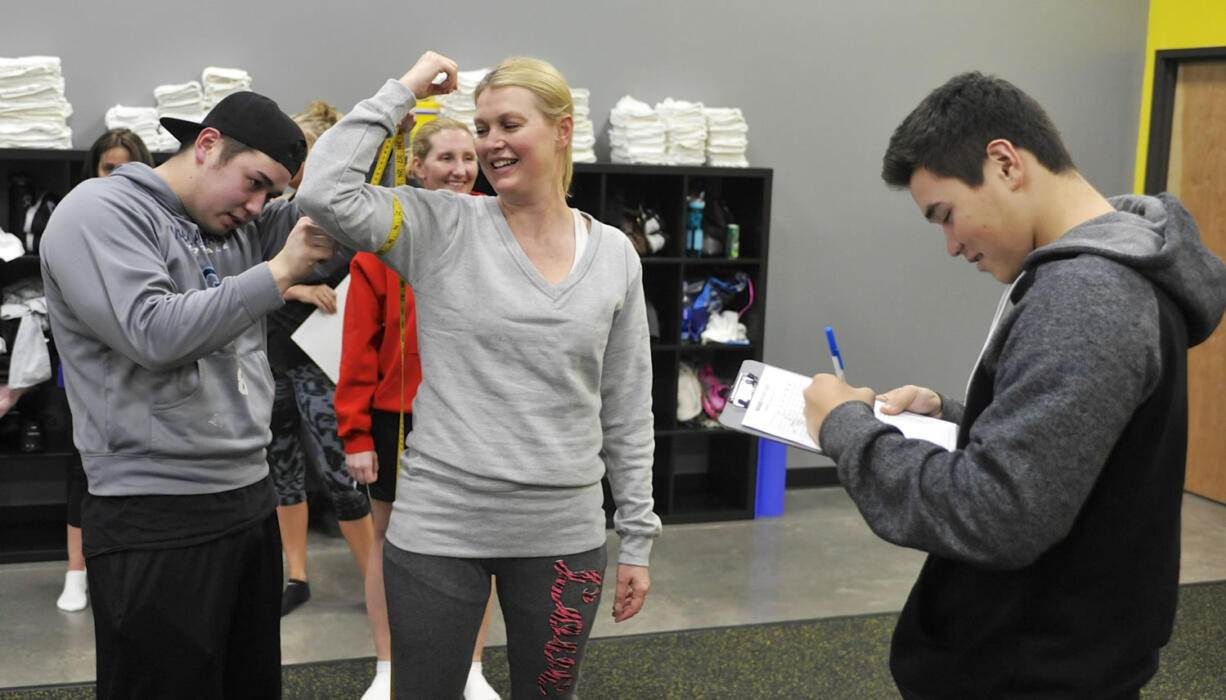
822, 86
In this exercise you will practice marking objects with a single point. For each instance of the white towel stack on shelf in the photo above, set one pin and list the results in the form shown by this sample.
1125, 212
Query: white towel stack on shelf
583, 139
685, 131
143, 121
219, 82
33, 110
459, 105
181, 100
727, 137
636, 133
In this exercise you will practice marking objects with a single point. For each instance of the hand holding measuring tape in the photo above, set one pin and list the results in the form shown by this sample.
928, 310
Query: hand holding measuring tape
306, 245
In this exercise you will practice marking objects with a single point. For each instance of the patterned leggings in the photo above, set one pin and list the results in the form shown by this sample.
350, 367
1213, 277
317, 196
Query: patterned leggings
304, 394
434, 605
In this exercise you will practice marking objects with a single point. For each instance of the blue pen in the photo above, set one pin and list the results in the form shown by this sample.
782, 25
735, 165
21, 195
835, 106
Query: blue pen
835, 356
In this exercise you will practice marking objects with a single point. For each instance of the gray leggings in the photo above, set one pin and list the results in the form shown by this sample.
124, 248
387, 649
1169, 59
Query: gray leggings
435, 604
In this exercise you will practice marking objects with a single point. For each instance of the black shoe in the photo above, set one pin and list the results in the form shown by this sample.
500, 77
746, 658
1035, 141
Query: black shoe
296, 593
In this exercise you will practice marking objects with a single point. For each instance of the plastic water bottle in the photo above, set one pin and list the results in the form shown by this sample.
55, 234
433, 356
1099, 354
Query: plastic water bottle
693, 225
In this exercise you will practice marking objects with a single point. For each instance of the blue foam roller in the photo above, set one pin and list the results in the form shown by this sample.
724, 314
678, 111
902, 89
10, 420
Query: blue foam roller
772, 478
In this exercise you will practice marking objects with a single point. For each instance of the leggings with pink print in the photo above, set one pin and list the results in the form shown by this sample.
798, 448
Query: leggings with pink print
435, 604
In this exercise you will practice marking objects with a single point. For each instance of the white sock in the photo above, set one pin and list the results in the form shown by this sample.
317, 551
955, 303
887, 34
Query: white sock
381, 687
477, 688
74, 597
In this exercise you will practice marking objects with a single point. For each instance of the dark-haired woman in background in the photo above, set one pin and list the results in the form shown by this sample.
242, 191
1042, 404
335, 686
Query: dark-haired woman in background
113, 149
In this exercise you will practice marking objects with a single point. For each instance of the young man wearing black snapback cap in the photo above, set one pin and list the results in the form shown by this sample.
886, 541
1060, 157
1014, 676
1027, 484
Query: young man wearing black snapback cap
157, 286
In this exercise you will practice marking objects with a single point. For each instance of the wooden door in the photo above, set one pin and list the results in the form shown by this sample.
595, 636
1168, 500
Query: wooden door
1197, 175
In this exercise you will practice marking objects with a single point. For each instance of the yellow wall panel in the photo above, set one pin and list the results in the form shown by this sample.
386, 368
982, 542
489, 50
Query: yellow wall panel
1175, 24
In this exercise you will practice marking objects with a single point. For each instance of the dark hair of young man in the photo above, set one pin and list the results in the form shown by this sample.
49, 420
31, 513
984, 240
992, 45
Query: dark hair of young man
948, 133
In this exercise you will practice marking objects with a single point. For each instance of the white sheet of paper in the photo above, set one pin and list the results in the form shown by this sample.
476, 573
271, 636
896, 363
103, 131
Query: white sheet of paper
778, 408
920, 427
320, 335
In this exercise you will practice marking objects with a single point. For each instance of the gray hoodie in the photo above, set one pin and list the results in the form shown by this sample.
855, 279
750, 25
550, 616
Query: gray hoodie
167, 378
1053, 529
1069, 363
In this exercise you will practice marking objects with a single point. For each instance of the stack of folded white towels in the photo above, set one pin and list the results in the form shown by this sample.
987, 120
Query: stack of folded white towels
459, 104
583, 138
685, 138
180, 100
33, 110
727, 137
219, 82
143, 121
636, 133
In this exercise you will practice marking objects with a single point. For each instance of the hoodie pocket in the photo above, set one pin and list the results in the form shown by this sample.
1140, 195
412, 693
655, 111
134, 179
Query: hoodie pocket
221, 408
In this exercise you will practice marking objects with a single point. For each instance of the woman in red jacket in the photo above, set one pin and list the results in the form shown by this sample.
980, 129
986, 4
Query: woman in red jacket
376, 386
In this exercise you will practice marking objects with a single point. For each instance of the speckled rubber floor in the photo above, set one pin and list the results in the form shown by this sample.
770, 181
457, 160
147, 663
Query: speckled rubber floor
829, 659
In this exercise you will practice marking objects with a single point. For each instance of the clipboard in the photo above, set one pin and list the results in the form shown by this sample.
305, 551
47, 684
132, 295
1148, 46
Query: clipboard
752, 376
769, 402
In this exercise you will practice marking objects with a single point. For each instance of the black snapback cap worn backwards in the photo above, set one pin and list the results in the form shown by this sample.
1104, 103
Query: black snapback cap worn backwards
253, 120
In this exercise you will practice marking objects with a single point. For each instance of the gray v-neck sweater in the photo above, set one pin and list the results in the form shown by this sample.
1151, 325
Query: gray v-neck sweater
530, 392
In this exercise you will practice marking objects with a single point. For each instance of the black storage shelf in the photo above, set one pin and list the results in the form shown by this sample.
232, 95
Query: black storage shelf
32, 484
701, 473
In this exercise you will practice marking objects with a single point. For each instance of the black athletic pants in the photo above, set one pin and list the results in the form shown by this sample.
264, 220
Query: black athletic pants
200, 621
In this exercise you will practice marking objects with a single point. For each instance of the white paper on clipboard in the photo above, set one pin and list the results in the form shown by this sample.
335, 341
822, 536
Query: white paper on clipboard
320, 334
769, 402
778, 406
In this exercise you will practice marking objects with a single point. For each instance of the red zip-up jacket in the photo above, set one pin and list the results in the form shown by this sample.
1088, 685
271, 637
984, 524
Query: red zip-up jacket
370, 374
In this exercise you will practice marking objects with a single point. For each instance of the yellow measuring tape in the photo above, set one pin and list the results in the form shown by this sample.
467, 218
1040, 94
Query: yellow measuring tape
392, 146
393, 149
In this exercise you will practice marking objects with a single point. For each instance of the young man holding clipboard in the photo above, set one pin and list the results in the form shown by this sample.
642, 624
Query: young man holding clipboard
1053, 527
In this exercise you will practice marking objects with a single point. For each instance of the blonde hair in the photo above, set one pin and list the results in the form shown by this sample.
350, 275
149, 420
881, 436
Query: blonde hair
422, 140
315, 119
547, 84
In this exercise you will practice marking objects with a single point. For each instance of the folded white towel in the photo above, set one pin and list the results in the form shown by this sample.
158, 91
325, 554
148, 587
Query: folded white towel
35, 140
29, 66
219, 82
35, 130
214, 74
178, 92
628, 107
33, 92
21, 86
57, 108
121, 115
